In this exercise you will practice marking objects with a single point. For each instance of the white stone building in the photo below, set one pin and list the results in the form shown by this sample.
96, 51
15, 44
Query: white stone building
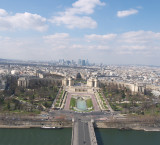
92, 82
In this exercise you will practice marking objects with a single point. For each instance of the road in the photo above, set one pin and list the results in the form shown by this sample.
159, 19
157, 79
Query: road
90, 115
83, 133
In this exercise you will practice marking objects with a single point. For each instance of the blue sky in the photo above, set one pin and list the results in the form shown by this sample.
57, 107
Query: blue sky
107, 31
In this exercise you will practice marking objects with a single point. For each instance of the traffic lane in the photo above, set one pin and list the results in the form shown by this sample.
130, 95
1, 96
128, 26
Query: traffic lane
83, 132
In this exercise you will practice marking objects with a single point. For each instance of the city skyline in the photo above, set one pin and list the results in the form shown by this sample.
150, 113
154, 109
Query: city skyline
103, 31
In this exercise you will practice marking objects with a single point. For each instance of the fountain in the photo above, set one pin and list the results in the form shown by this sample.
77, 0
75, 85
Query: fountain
81, 104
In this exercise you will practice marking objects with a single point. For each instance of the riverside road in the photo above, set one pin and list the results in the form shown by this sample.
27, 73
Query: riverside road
88, 116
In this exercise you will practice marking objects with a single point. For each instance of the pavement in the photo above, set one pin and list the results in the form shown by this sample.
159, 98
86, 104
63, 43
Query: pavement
95, 104
68, 100
81, 133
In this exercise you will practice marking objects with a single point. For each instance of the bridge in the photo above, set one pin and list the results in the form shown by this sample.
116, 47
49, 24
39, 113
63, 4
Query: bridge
83, 133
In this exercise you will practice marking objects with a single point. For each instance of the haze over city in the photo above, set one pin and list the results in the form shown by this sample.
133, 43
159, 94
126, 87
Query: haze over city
103, 31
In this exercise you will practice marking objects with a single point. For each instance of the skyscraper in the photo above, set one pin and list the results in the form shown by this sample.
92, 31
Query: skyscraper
79, 62
83, 62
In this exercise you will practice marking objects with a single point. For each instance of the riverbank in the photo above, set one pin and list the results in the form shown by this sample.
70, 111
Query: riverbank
129, 122
35, 124
129, 125
68, 124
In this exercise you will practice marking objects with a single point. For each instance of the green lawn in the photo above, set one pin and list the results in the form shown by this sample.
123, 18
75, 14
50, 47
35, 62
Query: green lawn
73, 103
59, 99
89, 103
103, 100
60, 96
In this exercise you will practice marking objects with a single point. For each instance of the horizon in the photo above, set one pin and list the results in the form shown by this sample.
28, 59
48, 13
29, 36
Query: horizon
90, 63
103, 31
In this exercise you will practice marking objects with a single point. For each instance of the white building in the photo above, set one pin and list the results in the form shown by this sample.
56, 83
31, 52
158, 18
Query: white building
23, 82
68, 81
92, 82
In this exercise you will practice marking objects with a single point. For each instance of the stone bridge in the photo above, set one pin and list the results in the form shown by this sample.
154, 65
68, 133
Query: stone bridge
83, 133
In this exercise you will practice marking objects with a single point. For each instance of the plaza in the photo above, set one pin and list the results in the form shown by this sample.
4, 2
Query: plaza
84, 97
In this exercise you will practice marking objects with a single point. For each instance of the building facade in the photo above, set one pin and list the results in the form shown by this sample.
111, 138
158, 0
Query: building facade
93, 82
68, 81
23, 82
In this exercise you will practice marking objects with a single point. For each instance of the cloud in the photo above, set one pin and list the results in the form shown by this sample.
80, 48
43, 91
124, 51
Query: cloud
126, 13
75, 17
95, 37
84, 6
22, 21
132, 44
3, 12
57, 41
57, 36
140, 37
133, 41
75, 21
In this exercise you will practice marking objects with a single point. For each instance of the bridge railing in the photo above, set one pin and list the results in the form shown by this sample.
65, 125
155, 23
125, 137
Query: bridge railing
72, 140
92, 134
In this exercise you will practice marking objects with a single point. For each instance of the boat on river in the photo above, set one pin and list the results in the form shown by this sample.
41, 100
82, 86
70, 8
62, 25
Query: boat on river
50, 127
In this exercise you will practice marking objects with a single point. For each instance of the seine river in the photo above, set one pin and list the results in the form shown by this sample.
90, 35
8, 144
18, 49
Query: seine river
130, 137
63, 137
35, 136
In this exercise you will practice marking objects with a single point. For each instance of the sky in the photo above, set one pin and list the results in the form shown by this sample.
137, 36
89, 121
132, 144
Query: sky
102, 31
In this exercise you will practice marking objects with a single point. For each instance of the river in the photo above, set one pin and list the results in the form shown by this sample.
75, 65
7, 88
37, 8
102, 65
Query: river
124, 137
37, 136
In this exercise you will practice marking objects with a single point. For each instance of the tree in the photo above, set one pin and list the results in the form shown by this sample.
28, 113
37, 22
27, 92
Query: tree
8, 106
1, 99
123, 94
31, 97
